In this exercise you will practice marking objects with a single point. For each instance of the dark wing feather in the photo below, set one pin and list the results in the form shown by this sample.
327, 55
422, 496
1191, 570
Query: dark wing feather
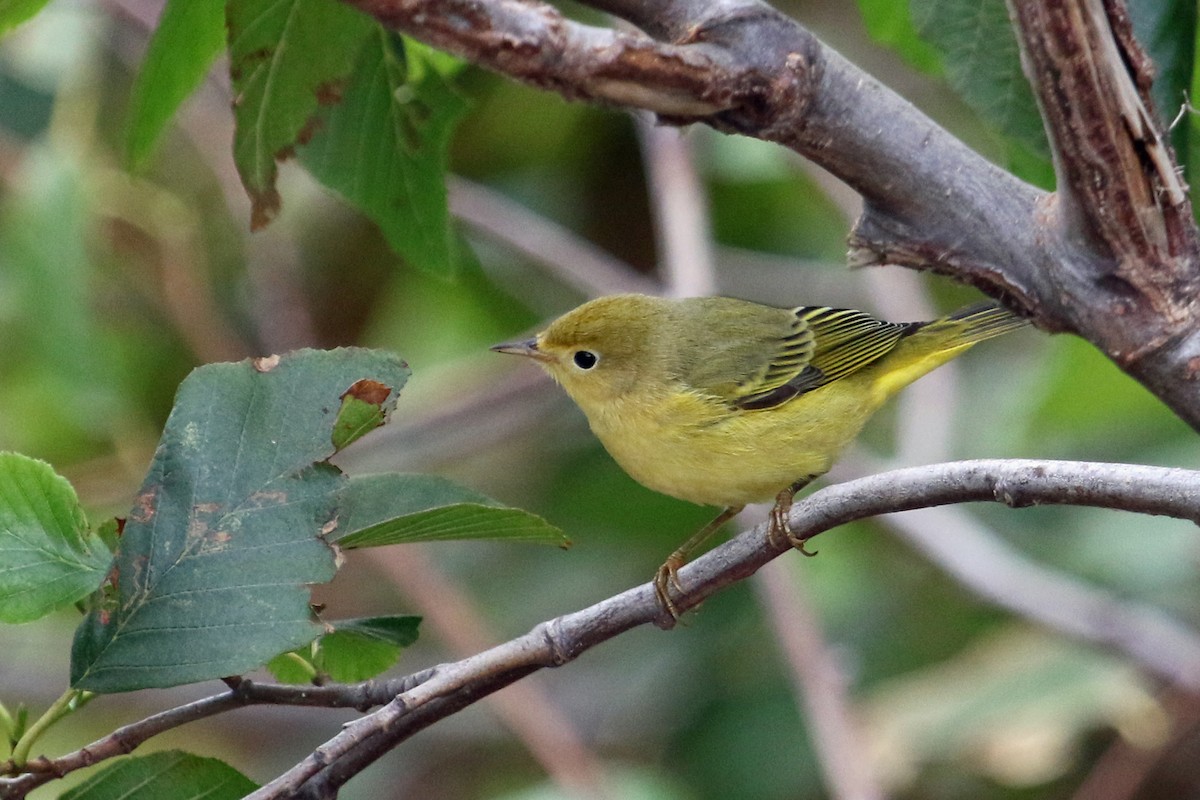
844, 341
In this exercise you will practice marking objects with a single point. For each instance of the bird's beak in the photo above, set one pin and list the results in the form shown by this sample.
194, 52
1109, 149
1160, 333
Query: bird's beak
528, 348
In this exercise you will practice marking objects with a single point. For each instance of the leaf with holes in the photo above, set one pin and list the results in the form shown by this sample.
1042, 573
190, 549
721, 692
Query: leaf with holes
211, 573
384, 147
286, 58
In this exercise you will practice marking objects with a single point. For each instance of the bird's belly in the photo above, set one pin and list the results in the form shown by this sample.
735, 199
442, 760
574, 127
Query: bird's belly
695, 450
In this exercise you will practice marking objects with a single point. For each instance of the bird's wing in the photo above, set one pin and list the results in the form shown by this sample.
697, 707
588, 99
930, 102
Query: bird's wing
843, 341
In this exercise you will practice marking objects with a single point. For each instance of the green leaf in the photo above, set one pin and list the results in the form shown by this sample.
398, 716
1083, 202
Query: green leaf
189, 36
14, 12
211, 570
398, 629
396, 508
365, 406
351, 657
47, 557
171, 773
890, 23
294, 666
287, 57
355, 650
384, 148
983, 64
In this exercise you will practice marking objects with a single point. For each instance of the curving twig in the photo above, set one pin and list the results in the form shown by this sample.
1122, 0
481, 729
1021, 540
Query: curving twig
1017, 483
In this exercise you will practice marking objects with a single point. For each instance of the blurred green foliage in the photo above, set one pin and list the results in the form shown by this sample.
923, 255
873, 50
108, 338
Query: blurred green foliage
112, 287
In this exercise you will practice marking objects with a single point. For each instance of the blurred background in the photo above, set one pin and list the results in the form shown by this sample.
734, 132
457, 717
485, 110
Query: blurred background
906, 634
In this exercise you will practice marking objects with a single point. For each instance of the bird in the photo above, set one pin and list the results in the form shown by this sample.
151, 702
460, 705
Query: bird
725, 402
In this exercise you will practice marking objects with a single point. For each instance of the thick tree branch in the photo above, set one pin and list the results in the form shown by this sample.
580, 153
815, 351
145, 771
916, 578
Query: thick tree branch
1127, 270
1017, 483
1116, 264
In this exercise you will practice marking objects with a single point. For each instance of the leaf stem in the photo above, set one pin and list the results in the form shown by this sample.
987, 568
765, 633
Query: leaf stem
68, 702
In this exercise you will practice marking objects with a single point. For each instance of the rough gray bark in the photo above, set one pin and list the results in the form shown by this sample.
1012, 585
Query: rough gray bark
1111, 256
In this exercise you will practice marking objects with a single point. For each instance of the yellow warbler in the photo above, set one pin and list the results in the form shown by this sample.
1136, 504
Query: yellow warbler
726, 402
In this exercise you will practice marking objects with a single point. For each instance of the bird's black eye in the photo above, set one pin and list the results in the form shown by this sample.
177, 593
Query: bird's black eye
585, 359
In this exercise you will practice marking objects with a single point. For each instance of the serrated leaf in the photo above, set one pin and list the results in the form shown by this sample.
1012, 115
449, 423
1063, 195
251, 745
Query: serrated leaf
396, 508
14, 12
287, 57
890, 23
212, 569
48, 559
983, 65
384, 148
189, 36
170, 773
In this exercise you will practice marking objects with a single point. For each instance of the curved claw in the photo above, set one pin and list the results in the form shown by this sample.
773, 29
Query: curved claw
666, 577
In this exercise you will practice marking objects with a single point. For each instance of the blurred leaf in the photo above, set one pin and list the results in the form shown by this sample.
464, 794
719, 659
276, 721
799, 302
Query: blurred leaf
982, 62
212, 567
890, 23
47, 557
365, 406
189, 36
396, 508
1115, 417
385, 148
287, 57
1015, 704
14, 12
54, 348
171, 773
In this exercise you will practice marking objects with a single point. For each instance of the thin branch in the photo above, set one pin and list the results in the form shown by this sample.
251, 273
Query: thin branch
1017, 483
569, 257
679, 205
242, 693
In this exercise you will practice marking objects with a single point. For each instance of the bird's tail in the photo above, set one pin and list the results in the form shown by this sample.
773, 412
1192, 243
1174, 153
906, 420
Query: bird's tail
934, 343
976, 323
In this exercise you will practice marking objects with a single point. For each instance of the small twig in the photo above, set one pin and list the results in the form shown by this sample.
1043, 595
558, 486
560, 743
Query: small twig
1017, 483
571, 258
361, 696
679, 206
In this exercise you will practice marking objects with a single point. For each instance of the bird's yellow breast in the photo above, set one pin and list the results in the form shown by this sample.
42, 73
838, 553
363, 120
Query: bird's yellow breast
698, 448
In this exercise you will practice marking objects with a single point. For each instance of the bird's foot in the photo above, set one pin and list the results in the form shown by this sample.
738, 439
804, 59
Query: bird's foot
666, 578
779, 528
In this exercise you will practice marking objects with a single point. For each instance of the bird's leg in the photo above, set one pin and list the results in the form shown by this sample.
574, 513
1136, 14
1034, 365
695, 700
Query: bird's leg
779, 527
668, 574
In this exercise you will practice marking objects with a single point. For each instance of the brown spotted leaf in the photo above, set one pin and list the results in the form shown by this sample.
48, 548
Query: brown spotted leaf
286, 59
212, 571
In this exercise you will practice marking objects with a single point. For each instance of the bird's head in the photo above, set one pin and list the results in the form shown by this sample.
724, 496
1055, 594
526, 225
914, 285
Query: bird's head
602, 350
